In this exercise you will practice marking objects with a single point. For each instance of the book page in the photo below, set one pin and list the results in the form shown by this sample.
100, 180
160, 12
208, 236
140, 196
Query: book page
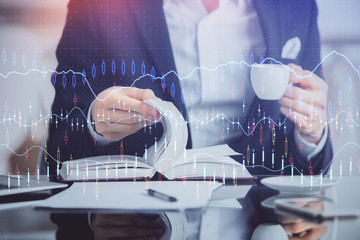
216, 159
209, 170
106, 168
218, 150
174, 138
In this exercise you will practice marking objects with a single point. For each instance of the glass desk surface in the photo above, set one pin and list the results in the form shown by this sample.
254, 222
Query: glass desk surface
238, 218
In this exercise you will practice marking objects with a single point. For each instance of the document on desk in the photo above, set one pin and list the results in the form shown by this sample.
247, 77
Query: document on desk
131, 196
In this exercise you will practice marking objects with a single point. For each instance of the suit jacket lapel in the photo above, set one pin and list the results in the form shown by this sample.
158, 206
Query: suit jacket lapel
275, 19
268, 13
151, 22
150, 18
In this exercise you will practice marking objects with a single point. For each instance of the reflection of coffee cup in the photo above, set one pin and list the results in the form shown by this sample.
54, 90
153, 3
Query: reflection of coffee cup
269, 231
269, 81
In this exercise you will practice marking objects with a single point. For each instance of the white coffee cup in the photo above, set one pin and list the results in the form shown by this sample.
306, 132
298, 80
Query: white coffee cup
269, 81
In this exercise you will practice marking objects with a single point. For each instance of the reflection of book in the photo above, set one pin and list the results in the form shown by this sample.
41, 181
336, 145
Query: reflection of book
168, 156
175, 224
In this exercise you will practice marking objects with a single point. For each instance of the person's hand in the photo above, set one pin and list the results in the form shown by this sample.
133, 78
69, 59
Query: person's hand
307, 97
120, 111
300, 229
125, 226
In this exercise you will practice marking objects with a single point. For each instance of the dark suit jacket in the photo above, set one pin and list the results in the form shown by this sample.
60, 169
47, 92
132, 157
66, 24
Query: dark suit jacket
114, 42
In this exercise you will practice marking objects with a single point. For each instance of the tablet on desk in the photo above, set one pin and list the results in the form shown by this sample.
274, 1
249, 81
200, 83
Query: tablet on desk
317, 208
19, 184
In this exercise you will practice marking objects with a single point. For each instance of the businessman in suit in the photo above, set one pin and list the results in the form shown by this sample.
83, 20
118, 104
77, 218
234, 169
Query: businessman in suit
114, 43
162, 36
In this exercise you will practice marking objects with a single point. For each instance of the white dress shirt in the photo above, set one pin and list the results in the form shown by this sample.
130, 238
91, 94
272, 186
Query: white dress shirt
227, 34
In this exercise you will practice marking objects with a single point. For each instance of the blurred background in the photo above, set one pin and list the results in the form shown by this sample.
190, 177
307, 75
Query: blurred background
29, 34
31, 29
339, 24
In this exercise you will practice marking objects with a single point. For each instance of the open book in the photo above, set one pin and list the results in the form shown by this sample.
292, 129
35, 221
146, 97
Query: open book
168, 156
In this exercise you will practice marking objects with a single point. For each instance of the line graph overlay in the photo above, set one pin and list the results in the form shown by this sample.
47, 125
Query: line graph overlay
247, 133
252, 166
334, 52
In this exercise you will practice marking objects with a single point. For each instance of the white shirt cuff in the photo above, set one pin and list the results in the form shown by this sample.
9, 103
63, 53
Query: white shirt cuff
311, 149
99, 139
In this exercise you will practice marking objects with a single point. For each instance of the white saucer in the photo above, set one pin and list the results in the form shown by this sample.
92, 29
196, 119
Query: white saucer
298, 185
270, 202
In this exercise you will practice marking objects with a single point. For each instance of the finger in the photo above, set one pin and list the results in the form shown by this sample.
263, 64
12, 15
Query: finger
114, 115
133, 92
311, 111
294, 66
307, 79
302, 234
298, 75
125, 117
303, 122
119, 129
295, 76
115, 136
298, 227
311, 131
124, 98
295, 92
131, 104
140, 94
303, 95
284, 220
132, 120
316, 233
315, 205
295, 116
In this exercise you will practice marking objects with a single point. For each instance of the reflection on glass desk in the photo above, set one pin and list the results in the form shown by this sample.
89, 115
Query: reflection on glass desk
243, 217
